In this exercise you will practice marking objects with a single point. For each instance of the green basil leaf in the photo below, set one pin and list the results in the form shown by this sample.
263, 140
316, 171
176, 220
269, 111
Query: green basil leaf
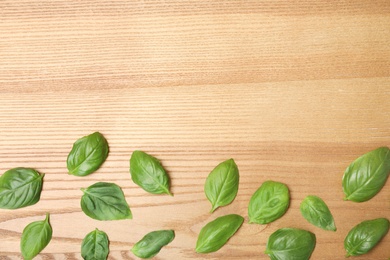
105, 201
87, 155
365, 236
290, 243
366, 176
222, 184
147, 172
216, 233
268, 203
35, 237
20, 187
315, 211
151, 244
95, 246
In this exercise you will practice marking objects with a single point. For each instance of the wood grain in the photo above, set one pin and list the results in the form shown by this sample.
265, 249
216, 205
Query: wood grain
292, 90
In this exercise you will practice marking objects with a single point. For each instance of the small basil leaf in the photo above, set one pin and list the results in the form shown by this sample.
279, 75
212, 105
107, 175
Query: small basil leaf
87, 155
315, 211
95, 246
290, 243
105, 201
268, 203
35, 237
147, 172
365, 236
151, 244
366, 176
20, 187
216, 233
222, 184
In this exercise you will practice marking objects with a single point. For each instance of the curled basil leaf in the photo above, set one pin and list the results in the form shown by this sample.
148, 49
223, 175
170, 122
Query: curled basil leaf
35, 237
87, 155
366, 176
315, 211
290, 243
95, 246
147, 172
216, 233
20, 187
365, 236
105, 201
222, 184
268, 203
151, 244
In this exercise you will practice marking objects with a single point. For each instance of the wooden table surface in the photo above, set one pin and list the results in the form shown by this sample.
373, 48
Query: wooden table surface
294, 91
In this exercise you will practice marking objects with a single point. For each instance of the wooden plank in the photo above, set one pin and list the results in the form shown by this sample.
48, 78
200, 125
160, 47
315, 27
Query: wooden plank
294, 91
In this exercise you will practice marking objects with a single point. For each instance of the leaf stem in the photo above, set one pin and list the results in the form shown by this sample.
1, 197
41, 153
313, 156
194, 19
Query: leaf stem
47, 217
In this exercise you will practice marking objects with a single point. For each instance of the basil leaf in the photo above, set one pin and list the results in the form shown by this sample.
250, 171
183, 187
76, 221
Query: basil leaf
87, 155
35, 237
105, 201
147, 172
365, 236
315, 211
290, 243
95, 246
366, 176
222, 184
216, 233
20, 187
268, 203
151, 244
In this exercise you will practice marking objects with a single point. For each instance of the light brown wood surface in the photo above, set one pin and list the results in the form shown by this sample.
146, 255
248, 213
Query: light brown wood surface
294, 91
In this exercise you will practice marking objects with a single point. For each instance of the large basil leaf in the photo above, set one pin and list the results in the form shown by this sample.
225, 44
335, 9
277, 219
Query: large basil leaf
216, 233
152, 243
35, 237
291, 244
20, 187
88, 154
147, 172
105, 201
365, 236
366, 176
222, 184
315, 211
268, 203
95, 246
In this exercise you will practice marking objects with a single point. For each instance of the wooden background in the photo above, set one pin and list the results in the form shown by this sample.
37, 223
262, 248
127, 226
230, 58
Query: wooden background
292, 90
